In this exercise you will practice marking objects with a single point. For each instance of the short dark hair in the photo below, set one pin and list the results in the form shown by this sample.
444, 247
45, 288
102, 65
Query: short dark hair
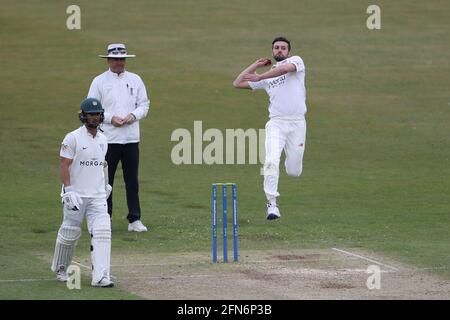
282, 39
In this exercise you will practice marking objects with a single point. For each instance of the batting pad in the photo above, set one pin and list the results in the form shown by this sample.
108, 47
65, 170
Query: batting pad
65, 247
101, 248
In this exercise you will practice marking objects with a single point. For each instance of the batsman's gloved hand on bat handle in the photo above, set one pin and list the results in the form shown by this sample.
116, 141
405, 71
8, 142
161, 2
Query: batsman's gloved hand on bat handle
71, 199
108, 189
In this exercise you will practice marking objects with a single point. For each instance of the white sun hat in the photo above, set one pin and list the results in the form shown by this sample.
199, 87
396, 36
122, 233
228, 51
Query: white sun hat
117, 50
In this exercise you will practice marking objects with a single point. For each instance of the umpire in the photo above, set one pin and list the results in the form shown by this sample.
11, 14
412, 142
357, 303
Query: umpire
124, 98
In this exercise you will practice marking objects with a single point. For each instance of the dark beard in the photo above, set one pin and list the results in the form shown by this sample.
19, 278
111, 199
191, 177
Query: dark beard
279, 58
92, 125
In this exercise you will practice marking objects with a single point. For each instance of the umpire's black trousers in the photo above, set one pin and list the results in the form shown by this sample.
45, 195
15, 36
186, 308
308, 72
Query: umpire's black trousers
128, 154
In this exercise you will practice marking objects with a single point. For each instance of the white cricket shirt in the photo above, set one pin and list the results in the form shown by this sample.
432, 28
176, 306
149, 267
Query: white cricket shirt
287, 93
88, 155
120, 95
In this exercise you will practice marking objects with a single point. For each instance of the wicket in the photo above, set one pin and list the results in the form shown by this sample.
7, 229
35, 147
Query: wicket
224, 220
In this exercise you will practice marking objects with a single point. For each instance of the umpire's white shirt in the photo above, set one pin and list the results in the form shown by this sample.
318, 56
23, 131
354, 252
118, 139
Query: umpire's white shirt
120, 95
287, 92
88, 154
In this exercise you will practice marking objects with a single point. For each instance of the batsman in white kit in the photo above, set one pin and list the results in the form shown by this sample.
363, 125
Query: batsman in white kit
84, 193
286, 129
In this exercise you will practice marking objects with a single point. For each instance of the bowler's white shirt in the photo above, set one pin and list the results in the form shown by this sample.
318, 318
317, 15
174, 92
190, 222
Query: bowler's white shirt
287, 93
88, 154
120, 95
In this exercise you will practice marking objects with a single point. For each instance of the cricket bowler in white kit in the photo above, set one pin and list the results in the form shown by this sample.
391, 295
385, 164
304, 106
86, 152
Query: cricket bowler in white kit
286, 129
84, 194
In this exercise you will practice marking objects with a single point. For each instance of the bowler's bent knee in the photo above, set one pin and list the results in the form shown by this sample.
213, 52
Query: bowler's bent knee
294, 172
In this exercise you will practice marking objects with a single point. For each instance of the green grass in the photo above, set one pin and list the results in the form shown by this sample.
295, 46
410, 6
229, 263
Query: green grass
376, 169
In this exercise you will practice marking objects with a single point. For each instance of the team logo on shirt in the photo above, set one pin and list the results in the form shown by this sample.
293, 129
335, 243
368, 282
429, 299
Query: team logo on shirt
277, 82
91, 163
64, 147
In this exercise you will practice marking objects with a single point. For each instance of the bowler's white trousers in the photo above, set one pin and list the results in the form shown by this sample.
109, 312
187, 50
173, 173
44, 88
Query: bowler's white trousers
287, 135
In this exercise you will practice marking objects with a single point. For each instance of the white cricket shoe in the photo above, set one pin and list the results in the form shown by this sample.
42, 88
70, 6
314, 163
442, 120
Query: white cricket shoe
103, 283
137, 226
61, 275
272, 211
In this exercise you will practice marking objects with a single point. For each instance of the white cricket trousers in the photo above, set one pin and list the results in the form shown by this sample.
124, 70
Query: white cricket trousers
94, 209
287, 135
99, 226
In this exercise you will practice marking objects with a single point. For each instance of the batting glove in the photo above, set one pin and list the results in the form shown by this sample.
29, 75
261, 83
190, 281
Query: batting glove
71, 199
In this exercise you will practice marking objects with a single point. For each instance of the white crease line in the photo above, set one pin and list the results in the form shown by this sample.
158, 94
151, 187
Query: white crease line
151, 265
290, 260
81, 265
37, 280
171, 277
26, 280
365, 258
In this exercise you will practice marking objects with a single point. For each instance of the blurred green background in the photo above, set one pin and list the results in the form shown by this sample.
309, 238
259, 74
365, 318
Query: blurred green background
376, 168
